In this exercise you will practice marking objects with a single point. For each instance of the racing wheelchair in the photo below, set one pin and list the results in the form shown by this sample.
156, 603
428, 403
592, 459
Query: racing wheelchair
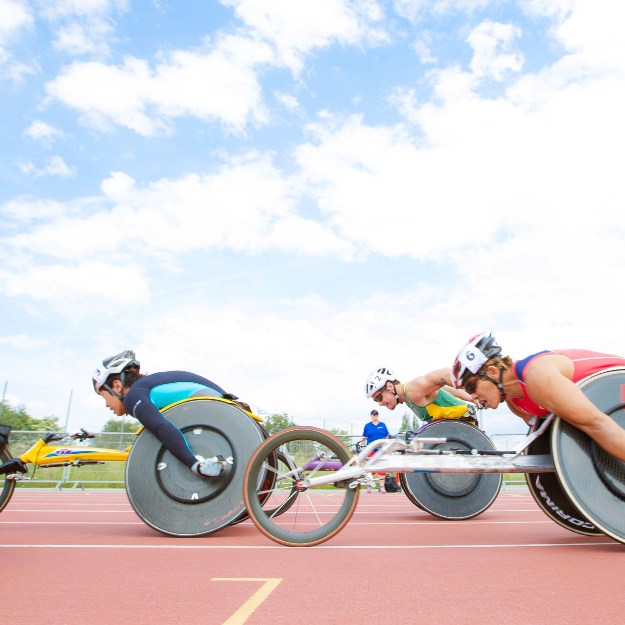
574, 481
163, 492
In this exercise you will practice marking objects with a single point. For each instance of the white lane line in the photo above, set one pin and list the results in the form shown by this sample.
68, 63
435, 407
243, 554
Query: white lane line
129, 509
370, 547
71, 523
249, 524
65, 510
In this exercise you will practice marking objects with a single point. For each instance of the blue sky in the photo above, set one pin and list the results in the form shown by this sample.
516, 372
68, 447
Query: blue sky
283, 195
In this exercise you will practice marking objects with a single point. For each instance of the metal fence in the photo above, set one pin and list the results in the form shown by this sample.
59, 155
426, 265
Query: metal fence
108, 474
112, 474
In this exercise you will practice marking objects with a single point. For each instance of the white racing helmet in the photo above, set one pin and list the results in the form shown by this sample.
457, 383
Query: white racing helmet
473, 356
113, 365
377, 379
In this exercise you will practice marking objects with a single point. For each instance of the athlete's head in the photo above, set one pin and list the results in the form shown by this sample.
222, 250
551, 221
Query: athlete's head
120, 367
380, 382
473, 357
481, 359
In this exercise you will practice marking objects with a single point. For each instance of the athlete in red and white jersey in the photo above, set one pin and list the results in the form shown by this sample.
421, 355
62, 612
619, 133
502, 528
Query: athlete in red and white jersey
540, 384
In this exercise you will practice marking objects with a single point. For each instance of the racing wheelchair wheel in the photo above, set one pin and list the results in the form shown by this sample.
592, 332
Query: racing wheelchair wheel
593, 479
6, 486
314, 514
173, 500
548, 493
277, 464
453, 496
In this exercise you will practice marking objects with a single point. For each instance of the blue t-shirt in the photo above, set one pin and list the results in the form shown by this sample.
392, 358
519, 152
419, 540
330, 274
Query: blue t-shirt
375, 432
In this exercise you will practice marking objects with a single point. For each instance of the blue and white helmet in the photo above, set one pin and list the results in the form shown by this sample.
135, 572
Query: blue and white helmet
377, 379
112, 365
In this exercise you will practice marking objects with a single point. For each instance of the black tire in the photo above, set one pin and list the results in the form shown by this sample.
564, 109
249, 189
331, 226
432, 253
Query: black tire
453, 496
6, 486
403, 480
403, 477
549, 494
167, 495
593, 479
304, 522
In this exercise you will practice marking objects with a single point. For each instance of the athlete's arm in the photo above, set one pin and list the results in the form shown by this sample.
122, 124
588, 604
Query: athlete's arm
548, 382
459, 393
423, 390
138, 404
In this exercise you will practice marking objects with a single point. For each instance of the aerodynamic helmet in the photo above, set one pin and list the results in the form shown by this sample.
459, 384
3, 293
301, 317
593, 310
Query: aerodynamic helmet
377, 379
472, 357
114, 364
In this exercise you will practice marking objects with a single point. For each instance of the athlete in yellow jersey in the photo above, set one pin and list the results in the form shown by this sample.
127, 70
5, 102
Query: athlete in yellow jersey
427, 400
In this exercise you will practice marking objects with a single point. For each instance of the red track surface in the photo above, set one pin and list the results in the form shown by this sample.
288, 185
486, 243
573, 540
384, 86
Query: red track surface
74, 557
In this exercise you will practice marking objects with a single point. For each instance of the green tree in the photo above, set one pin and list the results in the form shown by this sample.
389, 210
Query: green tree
19, 419
405, 423
343, 435
115, 425
277, 422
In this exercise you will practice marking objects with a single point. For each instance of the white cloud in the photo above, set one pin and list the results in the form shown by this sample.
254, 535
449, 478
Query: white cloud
493, 54
220, 85
424, 53
39, 129
548, 8
78, 40
297, 28
104, 94
414, 10
23, 341
15, 16
595, 30
55, 166
287, 100
75, 290
23, 210
55, 9
81, 27
247, 206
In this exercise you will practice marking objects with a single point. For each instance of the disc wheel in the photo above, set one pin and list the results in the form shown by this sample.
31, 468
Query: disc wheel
290, 514
593, 479
453, 496
6, 486
548, 493
167, 495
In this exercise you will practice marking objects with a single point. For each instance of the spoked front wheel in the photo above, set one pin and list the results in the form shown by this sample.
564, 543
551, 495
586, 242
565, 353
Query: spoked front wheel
278, 465
289, 513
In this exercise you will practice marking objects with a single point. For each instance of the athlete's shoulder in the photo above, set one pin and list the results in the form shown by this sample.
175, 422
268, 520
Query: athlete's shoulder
584, 354
168, 377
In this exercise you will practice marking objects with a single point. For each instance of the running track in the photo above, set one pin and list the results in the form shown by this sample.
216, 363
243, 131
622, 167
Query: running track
73, 557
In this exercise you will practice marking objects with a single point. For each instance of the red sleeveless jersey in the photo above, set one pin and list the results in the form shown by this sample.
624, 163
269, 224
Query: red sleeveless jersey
585, 363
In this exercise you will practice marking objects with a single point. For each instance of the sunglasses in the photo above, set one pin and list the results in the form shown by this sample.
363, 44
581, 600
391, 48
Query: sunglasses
378, 398
471, 386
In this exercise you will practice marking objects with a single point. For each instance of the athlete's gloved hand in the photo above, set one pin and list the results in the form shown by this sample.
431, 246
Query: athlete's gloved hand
473, 408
